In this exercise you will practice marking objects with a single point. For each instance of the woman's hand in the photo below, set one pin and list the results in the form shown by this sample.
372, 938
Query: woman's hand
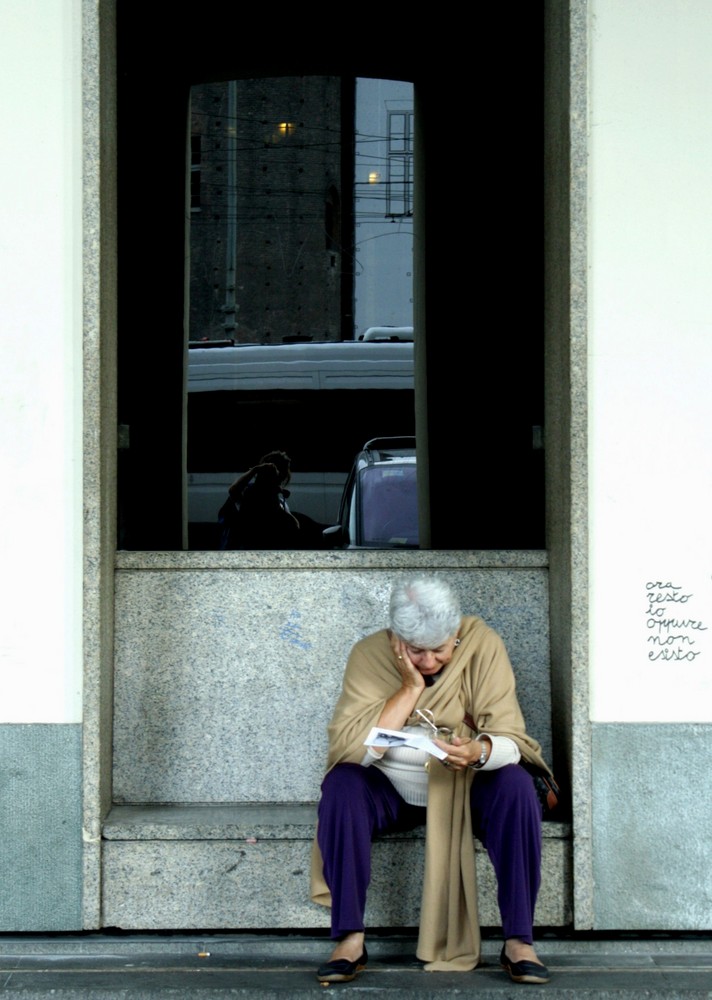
401, 704
462, 752
410, 675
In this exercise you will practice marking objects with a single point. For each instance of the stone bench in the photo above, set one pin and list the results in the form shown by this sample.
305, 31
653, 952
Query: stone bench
224, 682
247, 867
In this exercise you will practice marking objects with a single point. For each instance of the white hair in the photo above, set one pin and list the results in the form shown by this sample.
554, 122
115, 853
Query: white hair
424, 612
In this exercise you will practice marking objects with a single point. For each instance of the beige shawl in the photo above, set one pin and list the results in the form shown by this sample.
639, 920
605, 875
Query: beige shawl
478, 680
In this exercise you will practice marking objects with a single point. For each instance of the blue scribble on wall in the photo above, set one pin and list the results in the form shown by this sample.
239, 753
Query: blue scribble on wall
291, 631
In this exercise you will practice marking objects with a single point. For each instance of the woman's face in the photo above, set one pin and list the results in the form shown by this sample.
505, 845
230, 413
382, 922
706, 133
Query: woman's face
431, 661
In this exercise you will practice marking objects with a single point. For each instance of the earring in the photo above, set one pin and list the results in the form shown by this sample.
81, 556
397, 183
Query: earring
457, 643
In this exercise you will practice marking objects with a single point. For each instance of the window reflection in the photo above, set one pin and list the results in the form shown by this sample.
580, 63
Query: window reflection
296, 255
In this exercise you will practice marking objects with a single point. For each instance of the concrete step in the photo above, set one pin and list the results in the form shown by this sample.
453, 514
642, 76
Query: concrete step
113, 967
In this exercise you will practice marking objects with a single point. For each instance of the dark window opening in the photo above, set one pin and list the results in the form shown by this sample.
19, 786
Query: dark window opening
332, 220
482, 307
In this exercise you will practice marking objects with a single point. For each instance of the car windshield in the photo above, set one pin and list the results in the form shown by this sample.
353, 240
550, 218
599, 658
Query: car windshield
389, 505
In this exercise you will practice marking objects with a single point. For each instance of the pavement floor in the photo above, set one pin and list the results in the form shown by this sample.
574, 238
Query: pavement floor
109, 966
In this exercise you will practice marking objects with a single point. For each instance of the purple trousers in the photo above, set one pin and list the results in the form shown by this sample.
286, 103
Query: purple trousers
359, 803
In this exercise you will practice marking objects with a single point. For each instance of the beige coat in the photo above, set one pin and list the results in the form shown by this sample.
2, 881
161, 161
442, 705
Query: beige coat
478, 680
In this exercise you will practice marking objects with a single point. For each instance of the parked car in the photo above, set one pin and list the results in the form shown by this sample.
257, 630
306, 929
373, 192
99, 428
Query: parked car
379, 505
272, 396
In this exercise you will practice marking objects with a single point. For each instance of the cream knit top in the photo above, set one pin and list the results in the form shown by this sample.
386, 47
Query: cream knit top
405, 766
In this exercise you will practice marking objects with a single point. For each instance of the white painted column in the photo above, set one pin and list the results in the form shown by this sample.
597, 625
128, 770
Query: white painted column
650, 364
40, 375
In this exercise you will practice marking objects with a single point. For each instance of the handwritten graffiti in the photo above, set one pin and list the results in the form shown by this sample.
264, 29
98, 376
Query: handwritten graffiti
672, 635
291, 631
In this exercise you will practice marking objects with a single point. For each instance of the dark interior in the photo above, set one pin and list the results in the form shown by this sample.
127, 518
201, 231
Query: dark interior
479, 111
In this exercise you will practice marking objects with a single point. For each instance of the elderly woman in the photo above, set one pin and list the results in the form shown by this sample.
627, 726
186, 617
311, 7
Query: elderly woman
456, 671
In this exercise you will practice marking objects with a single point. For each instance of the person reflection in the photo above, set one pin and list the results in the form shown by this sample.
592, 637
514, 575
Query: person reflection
256, 514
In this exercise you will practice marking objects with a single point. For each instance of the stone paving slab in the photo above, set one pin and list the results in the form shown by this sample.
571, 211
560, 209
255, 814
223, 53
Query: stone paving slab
109, 967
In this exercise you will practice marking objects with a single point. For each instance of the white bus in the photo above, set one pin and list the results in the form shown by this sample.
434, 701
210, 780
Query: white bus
316, 402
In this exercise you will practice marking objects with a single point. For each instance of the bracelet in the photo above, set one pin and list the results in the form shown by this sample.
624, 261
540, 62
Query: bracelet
476, 765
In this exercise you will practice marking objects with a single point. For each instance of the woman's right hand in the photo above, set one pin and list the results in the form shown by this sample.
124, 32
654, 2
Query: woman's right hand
401, 704
410, 675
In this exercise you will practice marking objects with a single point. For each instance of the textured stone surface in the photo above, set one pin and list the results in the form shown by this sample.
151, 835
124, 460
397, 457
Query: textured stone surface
259, 878
225, 679
99, 413
575, 670
652, 813
41, 848
566, 419
262, 966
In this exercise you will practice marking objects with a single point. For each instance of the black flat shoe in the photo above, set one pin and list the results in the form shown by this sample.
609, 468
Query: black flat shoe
341, 970
524, 972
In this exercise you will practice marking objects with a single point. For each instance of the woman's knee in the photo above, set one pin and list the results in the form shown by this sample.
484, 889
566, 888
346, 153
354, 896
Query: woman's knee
508, 784
346, 788
361, 795
516, 778
343, 779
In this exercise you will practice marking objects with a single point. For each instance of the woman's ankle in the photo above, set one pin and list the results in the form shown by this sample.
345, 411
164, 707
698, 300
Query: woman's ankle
349, 946
517, 950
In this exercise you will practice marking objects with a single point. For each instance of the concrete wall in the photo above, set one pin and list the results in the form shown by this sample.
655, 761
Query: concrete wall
40, 806
652, 819
224, 675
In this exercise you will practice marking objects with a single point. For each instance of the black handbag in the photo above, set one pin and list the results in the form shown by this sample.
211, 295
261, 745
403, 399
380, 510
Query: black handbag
546, 787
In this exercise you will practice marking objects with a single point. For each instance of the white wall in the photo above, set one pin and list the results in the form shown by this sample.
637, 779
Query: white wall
40, 377
650, 365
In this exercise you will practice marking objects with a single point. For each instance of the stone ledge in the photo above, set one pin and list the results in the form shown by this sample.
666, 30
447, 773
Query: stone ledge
412, 559
263, 821
246, 866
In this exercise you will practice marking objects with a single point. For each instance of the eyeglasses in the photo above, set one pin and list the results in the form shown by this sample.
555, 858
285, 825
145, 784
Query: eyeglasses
428, 719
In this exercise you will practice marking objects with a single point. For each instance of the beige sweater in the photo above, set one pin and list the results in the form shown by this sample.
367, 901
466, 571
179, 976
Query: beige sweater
478, 680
